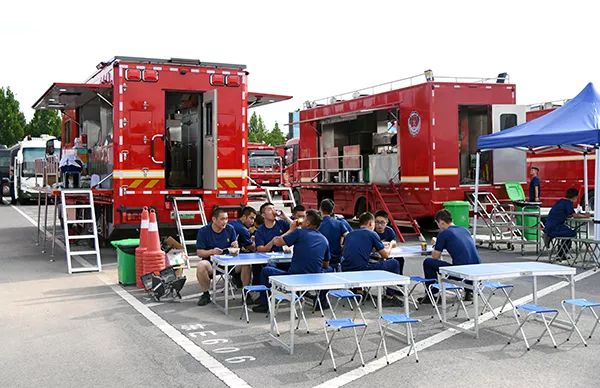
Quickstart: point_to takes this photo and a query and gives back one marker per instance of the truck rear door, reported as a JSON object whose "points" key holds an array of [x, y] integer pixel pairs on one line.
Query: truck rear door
{"points": [[508, 164], [209, 140]]}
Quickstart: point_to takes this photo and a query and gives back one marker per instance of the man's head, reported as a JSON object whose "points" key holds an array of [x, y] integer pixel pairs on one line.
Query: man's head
{"points": [[259, 220], [327, 206], [534, 171], [572, 194], [367, 220], [443, 219], [312, 220], [248, 216], [381, 221], [298, 212], [267, 210], [219, 219]]}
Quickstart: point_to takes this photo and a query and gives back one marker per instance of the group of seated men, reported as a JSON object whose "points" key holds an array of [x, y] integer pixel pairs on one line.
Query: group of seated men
{"points": [[322, 242]]}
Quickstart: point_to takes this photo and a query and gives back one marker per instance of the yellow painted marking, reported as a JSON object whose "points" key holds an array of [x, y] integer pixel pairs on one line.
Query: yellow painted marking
{"points": [[230, 183], [219, 186], [151, 184], [135, 183]]}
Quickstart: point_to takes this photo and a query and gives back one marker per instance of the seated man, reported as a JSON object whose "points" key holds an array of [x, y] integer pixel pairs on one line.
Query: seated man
{"points": [[310, 251], [298, 212], [382, 229], [245, 242], [263, 237], [334, 230], [212, 240], [459, 244], [555, 223]]}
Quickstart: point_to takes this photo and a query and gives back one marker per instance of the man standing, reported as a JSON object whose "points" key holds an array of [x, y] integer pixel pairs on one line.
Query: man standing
{"points": [[555, 225], [459, 244], [212, 239], [334, 230], [310, 251], [534, 185], [382, 229]]}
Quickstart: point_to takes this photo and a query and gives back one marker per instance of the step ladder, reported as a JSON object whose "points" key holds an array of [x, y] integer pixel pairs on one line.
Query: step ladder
{"points": [[501, 225], [85, 200], [182, 227], [270, 190], [391, 202]]}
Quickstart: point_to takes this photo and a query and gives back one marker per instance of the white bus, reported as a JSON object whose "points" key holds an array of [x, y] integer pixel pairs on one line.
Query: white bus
{"points": [[30, 149]]}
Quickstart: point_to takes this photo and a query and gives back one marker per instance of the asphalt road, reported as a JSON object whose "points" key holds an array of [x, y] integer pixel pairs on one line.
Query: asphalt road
{"points": [[84, 330]]}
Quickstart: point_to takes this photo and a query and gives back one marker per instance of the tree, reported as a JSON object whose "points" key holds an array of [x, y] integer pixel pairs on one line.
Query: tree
{"points": [[276, 137], [12, 120], [257, 132], [44, 122]]}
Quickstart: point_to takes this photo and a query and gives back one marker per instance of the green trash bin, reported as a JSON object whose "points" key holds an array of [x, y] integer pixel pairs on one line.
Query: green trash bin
{"points": [[126, 259], [515, 192], [531, 223], [459, 211]]}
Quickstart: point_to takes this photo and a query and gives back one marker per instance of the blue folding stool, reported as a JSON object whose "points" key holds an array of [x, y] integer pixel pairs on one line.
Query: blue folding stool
{"points": [[248, 289], [341, 295], [495, 286], [337, 324], [583, 304], [397, 319], [450, 287], [533, 310], [298, 300], [416, 280]]}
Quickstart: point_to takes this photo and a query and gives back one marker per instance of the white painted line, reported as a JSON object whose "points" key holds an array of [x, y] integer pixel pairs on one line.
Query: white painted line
{"points": [[374, 366], [209, 362]]}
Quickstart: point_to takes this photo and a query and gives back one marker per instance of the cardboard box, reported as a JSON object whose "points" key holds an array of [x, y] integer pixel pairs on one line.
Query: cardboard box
{"points": [[171, 243]]}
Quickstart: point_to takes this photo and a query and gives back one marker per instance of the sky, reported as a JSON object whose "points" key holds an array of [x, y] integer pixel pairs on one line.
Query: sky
{"points": [[308, 49]]}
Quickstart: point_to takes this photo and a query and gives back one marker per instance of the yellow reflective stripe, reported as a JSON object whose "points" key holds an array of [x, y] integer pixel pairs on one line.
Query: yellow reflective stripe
{"points": [[219, 186], [135, 183], [230, 183], [151, 184]]}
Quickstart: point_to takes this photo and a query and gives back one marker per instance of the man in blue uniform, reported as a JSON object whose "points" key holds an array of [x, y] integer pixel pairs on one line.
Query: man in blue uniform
{"points": [[298, 212], [334, 230], [382, 229], [310, 251], [555, 225], [212, 239], [534, 185], [459, 244], [263, 237], [242, 275]]}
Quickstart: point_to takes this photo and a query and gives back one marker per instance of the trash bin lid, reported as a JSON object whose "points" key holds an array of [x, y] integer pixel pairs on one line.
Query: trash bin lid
{"points": [[456, 203], [128, 242], [514, 190]]}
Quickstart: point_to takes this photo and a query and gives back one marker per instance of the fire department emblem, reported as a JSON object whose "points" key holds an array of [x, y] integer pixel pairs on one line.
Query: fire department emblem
{"points": [[414, 123]]}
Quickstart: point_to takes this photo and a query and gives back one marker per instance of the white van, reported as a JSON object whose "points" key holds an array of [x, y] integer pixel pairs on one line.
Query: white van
{"points": [[30, 149]]}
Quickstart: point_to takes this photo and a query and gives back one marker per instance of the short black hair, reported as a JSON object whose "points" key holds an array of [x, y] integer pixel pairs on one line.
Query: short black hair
{"points": [[443, 215], [218, 211], [247, 210], [314, 218], [259, 220], [365, 218], [327, 206], [572, 193], [298, 208], [264, 205], [382, 213], [535, 168]]}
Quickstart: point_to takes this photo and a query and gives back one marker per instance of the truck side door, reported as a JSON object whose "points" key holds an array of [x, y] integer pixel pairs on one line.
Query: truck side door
{"points": [[209, 140], [508, 164]]}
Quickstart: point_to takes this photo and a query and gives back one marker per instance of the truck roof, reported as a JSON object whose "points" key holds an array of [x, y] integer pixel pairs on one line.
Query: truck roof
{"points": [[170, 61]]}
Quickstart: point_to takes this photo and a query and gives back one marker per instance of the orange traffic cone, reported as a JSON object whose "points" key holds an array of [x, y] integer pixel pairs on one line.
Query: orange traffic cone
{"points": [[153, 257], [139, 251]]}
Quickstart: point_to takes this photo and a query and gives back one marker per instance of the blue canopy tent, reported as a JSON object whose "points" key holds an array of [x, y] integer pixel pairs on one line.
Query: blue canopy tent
{"points": [[575, 127]]}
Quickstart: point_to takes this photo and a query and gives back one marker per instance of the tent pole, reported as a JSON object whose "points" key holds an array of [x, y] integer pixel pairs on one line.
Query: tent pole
{"points": [[476, 196], [597, 196], [586, 201]]}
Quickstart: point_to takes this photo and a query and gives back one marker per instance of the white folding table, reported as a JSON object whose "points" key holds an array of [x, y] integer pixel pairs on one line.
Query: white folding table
{"points": [[410, 251], [477, 273], [295, 286]]}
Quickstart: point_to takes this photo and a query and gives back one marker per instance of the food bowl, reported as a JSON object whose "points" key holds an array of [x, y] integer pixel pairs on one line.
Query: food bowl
{"points": [[287, 249], [234, 251]]}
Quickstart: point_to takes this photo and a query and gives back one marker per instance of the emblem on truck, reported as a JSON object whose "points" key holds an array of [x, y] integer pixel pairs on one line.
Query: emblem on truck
{"points": [[414, 123]]}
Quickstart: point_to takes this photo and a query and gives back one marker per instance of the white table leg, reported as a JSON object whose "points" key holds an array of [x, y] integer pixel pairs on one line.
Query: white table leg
{"points": [[292, 321], [226, 277], [476, 306], [572, 279], [443, 291], [406, 309], [379, 304], [535, 290], [214, 283], [272, 310]]}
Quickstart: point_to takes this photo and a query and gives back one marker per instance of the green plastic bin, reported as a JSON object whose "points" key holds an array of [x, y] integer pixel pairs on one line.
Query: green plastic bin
{"points": [[459, 211], [515, 192], [126, 259], [531, 228]]}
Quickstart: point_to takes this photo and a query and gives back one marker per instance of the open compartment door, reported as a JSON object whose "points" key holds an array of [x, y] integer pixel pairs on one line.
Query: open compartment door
{"points": [[256, 99], [508, 164], [65, 96], [209, 140]]}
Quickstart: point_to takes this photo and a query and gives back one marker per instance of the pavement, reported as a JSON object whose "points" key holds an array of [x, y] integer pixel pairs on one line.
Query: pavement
{"points": [[86, 329]]}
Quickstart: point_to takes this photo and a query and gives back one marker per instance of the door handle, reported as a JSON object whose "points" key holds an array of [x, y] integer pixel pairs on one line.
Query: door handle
{"points": [[152, 149]]}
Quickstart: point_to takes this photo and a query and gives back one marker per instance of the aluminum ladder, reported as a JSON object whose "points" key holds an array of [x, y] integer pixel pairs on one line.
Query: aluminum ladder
{"points": [[85, 200], [182, 227], [285, 202], [501, 225]]}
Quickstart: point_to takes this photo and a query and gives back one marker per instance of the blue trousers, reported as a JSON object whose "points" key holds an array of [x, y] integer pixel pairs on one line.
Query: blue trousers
{"points": [[390, 265], [431, 269], [561, 231]]}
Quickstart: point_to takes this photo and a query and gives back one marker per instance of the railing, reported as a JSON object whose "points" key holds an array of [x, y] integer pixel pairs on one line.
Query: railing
{"points": [[400, 83], [277, 164], [323, 168]]}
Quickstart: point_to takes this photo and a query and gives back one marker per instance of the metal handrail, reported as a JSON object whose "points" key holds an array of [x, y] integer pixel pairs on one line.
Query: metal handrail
{"points": [[320, 170]]}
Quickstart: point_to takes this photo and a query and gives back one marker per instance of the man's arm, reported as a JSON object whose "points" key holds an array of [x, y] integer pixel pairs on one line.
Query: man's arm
{"points": [[537, 192], [208, 252], [436, 254]]}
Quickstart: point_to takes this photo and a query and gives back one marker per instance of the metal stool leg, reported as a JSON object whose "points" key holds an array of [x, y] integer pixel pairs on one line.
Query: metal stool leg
{"points": [[573, 323], [548, 328], [521, 329], [329, 348]]}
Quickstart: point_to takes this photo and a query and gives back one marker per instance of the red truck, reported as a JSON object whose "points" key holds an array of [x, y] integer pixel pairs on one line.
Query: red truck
{"points": [[265, 164]]}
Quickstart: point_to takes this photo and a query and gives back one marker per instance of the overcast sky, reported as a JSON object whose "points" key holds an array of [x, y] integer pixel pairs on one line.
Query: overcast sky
{"points": [[308, 49]]}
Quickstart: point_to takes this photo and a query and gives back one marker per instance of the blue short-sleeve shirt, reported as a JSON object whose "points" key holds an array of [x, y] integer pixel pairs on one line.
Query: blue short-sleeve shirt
{"points": [[459, 244], [207, 238], [243, 233], [333, 229], [559, 213], [387, 235], [358, 247], [264, 235], [310, 250], [535, 182]]}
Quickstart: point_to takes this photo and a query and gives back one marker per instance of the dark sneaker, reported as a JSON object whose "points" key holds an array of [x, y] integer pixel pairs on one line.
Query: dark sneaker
{"points": [[546, 240], [251, 300], [204, 299], [468, 296], [260, 308], [424, 300], [392, 302]]}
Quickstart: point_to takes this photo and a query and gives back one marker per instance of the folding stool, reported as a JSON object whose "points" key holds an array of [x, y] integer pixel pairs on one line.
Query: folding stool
{"points": [[533, 310], [495, 286], [286, 298], [396, 319], [450, 287], [583, 304], [418, 280], [258, 288], [337, 324]]}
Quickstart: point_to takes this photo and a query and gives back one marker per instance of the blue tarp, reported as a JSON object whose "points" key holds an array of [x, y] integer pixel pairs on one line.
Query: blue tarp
{"points": [[576, 122]]}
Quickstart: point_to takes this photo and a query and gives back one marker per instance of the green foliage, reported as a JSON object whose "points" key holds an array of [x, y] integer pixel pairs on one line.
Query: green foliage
{"points": [[257, 132], [276, 137], [12, 120], [44, 122]]}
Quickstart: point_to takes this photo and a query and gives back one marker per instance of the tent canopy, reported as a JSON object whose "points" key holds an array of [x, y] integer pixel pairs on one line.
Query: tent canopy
{"points": [[575, 123]]}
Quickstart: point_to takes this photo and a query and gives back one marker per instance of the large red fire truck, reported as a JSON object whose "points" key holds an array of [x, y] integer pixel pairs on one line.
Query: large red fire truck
{"points": [[154, 129], [265, 164], [406, 149]]}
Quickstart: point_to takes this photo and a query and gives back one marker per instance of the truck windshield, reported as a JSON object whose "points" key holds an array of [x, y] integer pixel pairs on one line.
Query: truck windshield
{"points": [[29, 157], [4, 160], [260, 159]]}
